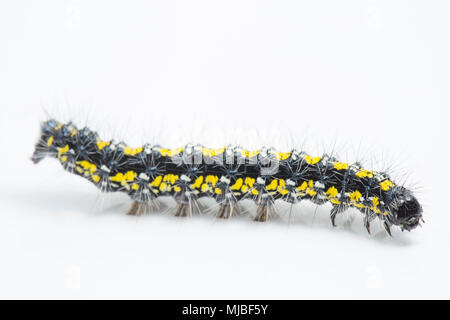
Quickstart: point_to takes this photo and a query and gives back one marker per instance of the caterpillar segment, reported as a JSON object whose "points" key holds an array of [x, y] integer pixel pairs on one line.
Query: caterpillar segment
{"points": [[229, 175]]}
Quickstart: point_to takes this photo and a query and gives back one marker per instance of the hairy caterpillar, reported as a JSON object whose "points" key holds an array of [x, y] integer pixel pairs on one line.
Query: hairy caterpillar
{"points": [[229, 175]]}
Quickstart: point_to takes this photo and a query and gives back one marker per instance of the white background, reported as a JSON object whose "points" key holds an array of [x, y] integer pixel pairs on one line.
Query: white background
{"points": [[370, 77]]}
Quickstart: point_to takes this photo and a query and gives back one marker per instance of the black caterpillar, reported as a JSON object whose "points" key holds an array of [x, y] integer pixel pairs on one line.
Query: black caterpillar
{"points": [[229, 175]]}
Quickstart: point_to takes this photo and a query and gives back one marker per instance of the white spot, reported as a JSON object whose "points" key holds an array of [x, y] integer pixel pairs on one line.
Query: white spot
{"points": [[290, 182], [225, 180], [105, 168], [319, 185], [143, 176], [188, 149], [260, 180], [185, 178]]}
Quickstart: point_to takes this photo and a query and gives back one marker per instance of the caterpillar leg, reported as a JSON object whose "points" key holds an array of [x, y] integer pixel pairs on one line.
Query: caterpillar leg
{"points": [[367, 223], [224, 212], [387, 226], [180, 210], [262, 213], [335, 210], [137, 209], [265, 209]]}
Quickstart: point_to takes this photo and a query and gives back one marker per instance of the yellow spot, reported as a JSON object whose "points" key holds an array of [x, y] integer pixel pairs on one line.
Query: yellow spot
{"points": [[303, 186], [255, 192], [364, 173], [272, 185], [211, 180], [244, 188], [218, 151], [332, 192], [237, 185], [177, 189], [198, 182], [162, 186], [206, 151], [79, 169], [101, 144], [164, 152], [63, 150], [340, 166], [281, 189], [175, 151], [170, 152], [59, 126], [131, 151], [244, 153], [355, 196], [74, 132], [212, 152], [205, 187], [283, 156], [88, 166], [249, 181], [117, 178], [335, 201], [95, 178], [312, 192], [171, 178], [375, 201], [156, 182], [130, 175], [386, 185], [120, 177], [252, 154], [63, 159], [135, 186], [311, 183], [50, 141], [311, 160], [218, 190]]}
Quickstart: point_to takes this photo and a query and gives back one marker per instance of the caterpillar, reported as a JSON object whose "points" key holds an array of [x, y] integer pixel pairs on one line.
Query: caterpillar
{"points": [[228, 175]]}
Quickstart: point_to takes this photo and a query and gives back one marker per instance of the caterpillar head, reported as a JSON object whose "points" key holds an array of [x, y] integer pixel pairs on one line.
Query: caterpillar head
{"points": [[406, 210]]}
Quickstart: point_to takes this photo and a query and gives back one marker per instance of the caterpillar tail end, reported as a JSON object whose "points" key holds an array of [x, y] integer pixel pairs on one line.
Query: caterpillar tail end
{"points": [[45, 145], [37, 157]]}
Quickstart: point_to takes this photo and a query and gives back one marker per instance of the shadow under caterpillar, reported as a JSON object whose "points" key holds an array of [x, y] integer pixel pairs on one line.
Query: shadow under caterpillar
{"points": [[229, 175]]}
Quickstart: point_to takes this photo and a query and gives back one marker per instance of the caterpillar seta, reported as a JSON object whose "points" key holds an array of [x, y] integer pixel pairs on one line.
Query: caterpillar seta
{"points": [[228, 175]]}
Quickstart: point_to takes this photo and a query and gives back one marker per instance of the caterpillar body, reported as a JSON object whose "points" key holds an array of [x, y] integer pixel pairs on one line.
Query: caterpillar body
{"points": [[229, 175]]}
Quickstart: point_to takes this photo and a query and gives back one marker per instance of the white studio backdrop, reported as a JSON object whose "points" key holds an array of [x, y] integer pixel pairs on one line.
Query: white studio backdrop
{"points": [[368, 77]]}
